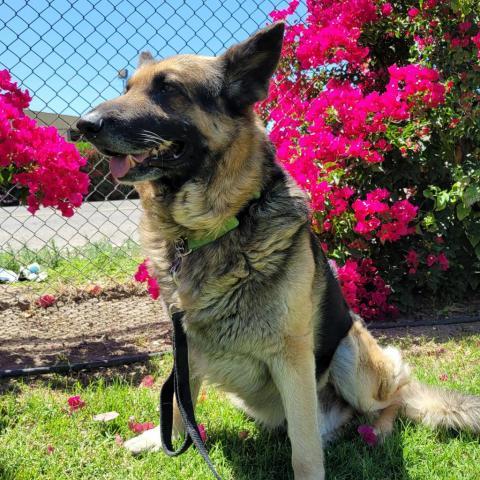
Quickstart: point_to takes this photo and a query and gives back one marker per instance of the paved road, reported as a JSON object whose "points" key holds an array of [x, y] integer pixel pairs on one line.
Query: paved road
{"points": [[115, 221]]}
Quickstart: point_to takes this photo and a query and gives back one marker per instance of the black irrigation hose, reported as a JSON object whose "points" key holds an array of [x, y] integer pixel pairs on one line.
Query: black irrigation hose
{"points": [[143, 357], [72, 367], [419, 323]]}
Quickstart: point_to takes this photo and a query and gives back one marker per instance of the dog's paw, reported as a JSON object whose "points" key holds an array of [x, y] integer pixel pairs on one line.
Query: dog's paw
{"points": [[147, 441]]}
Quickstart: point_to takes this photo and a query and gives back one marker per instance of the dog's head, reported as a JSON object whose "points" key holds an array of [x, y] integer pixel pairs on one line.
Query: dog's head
{"points": [[177, 112]]}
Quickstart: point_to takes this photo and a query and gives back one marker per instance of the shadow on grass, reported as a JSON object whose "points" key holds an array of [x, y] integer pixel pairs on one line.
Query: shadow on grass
{"points": [[418, 335], [346, 458], [7, 474], [130, 374]]}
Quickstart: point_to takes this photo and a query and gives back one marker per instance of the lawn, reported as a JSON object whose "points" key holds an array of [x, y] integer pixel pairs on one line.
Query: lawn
{"points": [[96, 262], [34, 417]]}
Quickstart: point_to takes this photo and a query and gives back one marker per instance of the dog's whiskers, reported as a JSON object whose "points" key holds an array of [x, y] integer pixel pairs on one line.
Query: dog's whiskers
{"points": [[153, 137]]}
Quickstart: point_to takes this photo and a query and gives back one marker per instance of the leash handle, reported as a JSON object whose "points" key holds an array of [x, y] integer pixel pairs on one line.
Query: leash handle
{"points": [[178, 384]]}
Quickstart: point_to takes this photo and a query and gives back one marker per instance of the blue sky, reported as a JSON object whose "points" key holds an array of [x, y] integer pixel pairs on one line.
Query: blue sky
{"points": [[67, 53]]}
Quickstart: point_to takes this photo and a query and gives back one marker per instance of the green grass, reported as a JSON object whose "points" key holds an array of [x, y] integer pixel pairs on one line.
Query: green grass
{"points": [[33, 416], [95, 262]]}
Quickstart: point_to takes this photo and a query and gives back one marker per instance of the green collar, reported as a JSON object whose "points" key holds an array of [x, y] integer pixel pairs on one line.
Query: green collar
{"points": [[229, 225]]}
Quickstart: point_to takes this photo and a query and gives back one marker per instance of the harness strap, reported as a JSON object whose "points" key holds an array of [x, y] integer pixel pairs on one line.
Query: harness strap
{"points": [[178, 384]]}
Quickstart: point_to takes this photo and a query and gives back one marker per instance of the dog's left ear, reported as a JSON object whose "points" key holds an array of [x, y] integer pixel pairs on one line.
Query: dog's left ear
{"points": [[249, 65]]}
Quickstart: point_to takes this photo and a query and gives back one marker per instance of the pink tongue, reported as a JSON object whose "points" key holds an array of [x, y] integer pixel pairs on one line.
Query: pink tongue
{"points": [[119, 166]]}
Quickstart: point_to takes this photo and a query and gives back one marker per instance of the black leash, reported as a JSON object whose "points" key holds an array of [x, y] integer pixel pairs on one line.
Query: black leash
{"points": [[178, 384]]}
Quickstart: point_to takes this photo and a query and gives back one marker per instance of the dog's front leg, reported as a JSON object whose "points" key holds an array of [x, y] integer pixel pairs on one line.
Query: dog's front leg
{"points": [[150, 440], [293, 372]]}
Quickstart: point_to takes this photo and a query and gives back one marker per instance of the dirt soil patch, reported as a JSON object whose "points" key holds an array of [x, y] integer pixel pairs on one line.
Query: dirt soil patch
{"points": [[85, 325], [81, 326]]}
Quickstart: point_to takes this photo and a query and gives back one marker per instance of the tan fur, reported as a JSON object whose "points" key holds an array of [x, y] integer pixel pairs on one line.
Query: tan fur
{"points": [[203, 208], [377, 381]]}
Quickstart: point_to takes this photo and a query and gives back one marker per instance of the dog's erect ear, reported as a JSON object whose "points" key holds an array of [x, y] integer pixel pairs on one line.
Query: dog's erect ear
{"points": [[145, 57], [249, 65]]}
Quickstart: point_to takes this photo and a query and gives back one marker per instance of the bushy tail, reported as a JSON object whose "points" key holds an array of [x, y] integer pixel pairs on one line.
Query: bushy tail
{"points": [[437, 407]]}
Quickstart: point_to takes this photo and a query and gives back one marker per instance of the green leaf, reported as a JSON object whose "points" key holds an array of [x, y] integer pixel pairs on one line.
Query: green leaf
{"points": [[463, 211], [471, 195], [441, 200], [473, 234], [474, 280], [429, 222], [428, 193]]}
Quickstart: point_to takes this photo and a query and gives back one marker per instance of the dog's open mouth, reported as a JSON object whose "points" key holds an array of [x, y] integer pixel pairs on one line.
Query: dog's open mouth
{"points": [[139, 166]]}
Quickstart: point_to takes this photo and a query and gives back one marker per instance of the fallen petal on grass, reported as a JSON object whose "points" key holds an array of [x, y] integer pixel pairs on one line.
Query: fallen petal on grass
{"points": [[75, 403], [147, 381], [105, 417], [203, 432], [138, 427], [443, 377], [368, 434], [119, 440], [50, 449]]}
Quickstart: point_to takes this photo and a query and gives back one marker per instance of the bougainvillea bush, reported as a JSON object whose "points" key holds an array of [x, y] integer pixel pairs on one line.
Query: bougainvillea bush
{"points": [[375, 112], [37, 159]]}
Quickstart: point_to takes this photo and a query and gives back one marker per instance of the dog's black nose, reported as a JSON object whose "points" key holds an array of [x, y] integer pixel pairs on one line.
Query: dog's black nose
{"points": [[91, 122]]}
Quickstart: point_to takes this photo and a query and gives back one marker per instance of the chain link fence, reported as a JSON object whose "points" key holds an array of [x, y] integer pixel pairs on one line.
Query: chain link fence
{"points": [[72, 56]]}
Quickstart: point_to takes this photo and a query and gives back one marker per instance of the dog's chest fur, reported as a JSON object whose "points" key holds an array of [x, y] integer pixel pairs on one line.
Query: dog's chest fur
{"points": [[244, 293]]}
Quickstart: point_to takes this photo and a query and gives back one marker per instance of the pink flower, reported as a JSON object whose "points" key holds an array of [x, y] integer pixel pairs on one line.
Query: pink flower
{"points": [[282, 14], [476, 41], [50, 449], [413, 12], [147, 381], [137, 427], [153, 288], [431, 260], [75, 403], [46, 301], [387, 9], [443, 262], [142, 275], [443, 377], [368, 434], [44, 165], [95, 290], [412, 261], [203, 432]]}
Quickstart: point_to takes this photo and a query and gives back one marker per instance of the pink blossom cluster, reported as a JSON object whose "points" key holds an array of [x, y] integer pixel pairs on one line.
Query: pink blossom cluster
{"points": [[142, 275], [476, 41], [341, 122], [365, 290], [333, 115], [376, 218], [413, 260], [41, 161]]}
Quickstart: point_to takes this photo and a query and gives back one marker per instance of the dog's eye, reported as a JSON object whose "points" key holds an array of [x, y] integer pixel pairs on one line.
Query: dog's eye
{"points": [[164, 87]]}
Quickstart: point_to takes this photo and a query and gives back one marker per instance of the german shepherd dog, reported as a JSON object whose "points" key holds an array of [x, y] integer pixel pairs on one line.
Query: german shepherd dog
{"points": [[265, 318]]}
